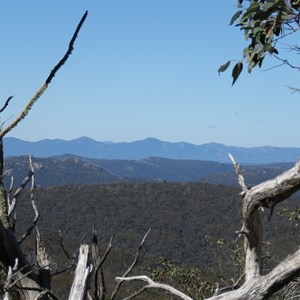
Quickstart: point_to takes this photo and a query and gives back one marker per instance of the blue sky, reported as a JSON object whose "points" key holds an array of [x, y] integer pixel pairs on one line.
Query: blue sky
{"points": [[141, 69]]}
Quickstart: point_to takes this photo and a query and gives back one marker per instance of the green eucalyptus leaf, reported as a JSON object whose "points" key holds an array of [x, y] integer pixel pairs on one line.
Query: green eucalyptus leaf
{"points": [[246, 52], [268, 47], [237, 71], [224, 67], [235, 17], [268, 5], [250, 66], [284, 16], [257, 30], [260, 62], [252, 9], [275, 51]]}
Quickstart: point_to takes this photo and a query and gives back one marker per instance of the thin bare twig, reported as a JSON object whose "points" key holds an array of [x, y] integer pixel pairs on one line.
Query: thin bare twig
{"points": [[235, 286], [6, 103], [135, 260], [99, 280], [71, 265], [63, 246]]}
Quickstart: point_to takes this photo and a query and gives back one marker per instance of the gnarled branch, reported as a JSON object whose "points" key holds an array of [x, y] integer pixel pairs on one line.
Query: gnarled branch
{"points": [[152, 285]]}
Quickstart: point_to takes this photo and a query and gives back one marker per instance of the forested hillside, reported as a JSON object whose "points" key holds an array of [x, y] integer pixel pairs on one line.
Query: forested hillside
{"points": [[193, 224], [180, 216], [65, 170]]}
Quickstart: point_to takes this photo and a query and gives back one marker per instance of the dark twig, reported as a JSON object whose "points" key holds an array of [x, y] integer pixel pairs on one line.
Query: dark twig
{"points": [[137, 293], [6, 103], [71, 265], [135, 260], [99, 280], [235, 286], [63, 247], [58, 272], [70, 49]]}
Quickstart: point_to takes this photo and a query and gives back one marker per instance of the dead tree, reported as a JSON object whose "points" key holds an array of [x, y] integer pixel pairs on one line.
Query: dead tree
{"points": [[32, 284], [255, 285]]}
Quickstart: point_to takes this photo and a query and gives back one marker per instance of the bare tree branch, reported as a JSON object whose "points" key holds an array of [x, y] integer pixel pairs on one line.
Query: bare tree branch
{"points": [[63, 247], [98, 259], [6, 104], [13, 203], [47, 82], [256, 286], [135, 260], [69, 52], [36, 212], [239, 174], [153, 285]]}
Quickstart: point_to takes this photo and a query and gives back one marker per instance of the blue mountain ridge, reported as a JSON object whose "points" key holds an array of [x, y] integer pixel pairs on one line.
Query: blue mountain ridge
{"points": [[149, 147]]}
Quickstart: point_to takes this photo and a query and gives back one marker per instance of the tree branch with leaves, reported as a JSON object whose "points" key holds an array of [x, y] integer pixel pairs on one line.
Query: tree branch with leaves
{"points": [[264, 23]]}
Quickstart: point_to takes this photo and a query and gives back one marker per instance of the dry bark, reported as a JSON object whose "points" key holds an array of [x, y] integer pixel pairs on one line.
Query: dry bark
{"points": [[82, 274], [256, 285]]}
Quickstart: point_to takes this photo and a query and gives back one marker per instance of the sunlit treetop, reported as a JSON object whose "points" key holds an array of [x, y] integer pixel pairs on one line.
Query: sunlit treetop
{"points": [[264, 24]]}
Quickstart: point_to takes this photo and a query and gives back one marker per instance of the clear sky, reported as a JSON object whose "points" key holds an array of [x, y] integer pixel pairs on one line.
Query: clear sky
{"points": [[143, 68]]}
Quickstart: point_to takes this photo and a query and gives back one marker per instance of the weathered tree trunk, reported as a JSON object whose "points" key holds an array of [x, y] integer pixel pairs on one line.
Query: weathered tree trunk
{"points": [[82, 275], [266, 194], [256, 285]]}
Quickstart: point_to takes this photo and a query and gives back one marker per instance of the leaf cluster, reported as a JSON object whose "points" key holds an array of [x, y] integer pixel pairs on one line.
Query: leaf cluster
{"points": [[264, 23]]}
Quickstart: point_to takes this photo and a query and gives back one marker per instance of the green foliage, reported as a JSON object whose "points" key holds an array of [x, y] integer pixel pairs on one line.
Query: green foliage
{"points": [[292, 215], [237, 69], [264, 23], [128, 210], [191, 281], [192, 225]]}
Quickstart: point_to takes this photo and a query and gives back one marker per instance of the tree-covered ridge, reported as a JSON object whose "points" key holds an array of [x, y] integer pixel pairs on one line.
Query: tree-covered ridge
{"points": [[180, 215], [57, 171], [192, 224]]}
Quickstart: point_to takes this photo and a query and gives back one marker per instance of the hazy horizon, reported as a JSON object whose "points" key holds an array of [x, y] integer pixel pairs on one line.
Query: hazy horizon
{"points": [[140, 69], [147, 138]]}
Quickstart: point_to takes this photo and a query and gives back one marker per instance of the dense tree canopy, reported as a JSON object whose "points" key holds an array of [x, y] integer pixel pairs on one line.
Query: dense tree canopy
{"points": [[265, 23]]}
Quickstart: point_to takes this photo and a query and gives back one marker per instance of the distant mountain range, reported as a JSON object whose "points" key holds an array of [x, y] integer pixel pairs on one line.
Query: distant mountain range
{"points": [[150, 147]]}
